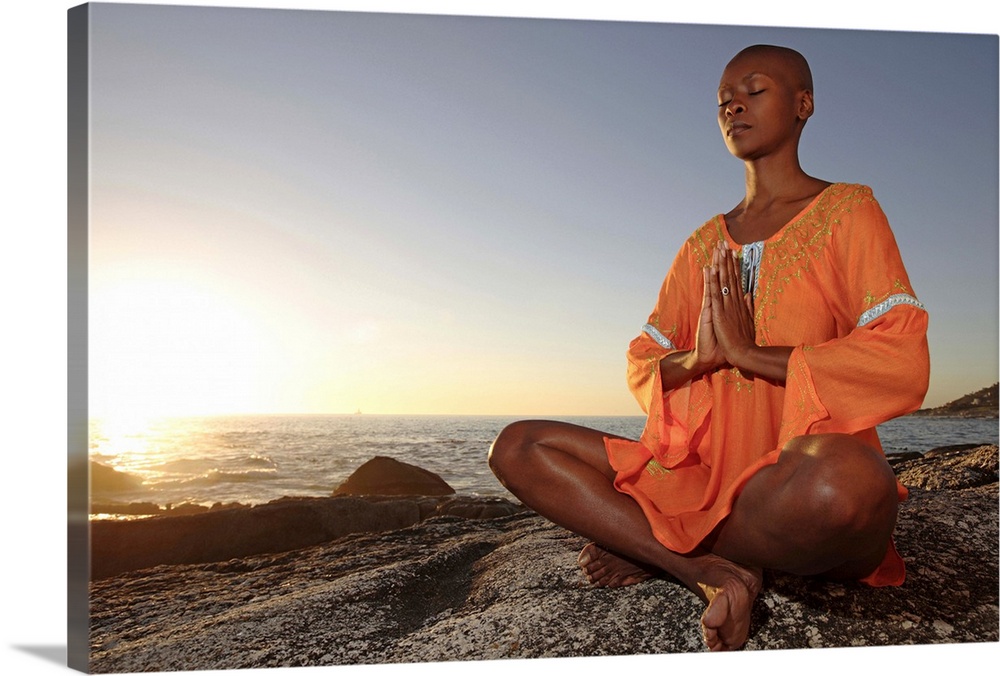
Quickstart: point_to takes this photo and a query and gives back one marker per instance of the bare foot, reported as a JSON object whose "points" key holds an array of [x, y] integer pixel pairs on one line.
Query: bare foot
{"points": [[725, 624], [606, 569]]}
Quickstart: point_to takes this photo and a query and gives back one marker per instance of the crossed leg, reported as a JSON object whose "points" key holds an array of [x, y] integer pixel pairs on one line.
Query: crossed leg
{"points": [[827, 506]]}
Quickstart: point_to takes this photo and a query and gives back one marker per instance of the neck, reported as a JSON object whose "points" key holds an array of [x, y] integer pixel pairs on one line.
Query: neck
{"points": [[771, 178]]}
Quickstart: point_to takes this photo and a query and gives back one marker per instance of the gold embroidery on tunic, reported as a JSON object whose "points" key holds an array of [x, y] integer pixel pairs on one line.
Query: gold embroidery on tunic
{"points": [[872, 300], [800, 242], [656, 470], [736, 378]]}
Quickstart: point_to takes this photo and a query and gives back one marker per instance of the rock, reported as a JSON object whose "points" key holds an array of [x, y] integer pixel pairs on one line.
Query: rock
{"points": [[896, 458], [219, 535], [226, 505], [129, 508], [186, 508], [149, 508], [198, 534], [450, 588], [104, 479], [387, 476], [952, 469], [940, 450], [477, 508]]}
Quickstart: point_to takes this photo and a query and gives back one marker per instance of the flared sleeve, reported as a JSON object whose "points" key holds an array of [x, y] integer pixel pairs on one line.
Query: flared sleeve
{"points": [[671, 327], [878, 367]]}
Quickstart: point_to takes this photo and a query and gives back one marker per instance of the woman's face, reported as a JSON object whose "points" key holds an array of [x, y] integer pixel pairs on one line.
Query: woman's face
{"points": [[760, 110]]}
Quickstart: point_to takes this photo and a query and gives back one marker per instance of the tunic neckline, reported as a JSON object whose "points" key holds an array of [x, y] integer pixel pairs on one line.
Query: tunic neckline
{"points": [[733, 244]]}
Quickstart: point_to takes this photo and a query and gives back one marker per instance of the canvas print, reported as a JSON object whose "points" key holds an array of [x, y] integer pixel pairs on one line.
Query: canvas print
{"points": [[402, 338]]}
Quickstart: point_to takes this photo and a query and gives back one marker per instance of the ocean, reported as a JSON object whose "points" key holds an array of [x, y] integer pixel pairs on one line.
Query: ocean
{"points": [[255, 459]]}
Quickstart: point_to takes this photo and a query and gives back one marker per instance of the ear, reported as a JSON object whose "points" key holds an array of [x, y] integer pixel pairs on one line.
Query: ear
{"points": [[805, 104]]}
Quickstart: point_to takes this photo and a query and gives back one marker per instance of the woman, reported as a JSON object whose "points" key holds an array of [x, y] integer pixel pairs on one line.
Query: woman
{"points": [[784, 332]]}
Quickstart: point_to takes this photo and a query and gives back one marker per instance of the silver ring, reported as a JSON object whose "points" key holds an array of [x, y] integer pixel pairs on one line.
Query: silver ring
{"points": [[725, 291]]}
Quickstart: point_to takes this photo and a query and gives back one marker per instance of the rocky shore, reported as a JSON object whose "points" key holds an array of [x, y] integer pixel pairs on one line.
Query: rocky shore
{"points": [[389, 579]]}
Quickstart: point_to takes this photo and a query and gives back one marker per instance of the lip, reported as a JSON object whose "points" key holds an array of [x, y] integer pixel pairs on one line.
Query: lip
{"points": [[737, 128]]}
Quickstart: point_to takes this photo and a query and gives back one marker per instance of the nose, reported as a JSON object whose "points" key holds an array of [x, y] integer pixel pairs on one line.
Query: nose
{"points": [[734, 107]]}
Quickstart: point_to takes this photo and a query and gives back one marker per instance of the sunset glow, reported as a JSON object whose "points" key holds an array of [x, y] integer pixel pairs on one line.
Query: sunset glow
{"points": [[411, 216], [168, 347]]}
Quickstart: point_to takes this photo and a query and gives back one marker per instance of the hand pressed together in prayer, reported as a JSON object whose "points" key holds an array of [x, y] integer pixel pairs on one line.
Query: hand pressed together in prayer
{"points": [[708, 351], [726, 332], [731, 308]]}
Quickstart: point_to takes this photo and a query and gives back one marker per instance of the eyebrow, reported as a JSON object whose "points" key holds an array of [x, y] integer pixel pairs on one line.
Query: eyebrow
{"points": [[747, 77]]}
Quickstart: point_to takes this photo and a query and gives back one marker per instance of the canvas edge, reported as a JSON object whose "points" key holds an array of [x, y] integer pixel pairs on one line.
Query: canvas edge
{"points": [[77, 185]]}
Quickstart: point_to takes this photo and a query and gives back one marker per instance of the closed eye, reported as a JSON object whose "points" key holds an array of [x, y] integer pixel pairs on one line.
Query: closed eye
{"points": [[727, 101]]}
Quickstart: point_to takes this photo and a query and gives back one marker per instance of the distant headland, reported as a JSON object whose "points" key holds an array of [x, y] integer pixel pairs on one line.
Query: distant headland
{"points": [[981, 404]]}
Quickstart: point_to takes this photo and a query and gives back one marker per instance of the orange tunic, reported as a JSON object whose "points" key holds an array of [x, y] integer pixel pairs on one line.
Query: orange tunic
{"points": [[832, 285]]}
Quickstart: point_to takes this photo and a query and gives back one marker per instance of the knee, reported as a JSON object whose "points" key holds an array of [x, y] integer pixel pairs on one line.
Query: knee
{"points": [[844, 486], [508, 449]]}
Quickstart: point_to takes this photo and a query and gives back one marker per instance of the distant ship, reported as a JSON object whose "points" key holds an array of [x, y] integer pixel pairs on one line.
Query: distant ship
{"points": [[358, 412]]}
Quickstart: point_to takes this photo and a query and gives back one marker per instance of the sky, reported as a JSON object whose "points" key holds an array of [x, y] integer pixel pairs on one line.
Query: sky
{"points": [[323, 212], [34, 279]]}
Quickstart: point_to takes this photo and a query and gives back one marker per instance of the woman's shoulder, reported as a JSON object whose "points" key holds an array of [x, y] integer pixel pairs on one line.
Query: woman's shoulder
{"points": [[841, 204], [699, 246], [847, 195], [713, 228]]}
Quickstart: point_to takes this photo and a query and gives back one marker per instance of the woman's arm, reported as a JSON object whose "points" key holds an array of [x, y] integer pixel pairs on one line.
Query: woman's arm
{"points": [[880, 368], [678, 368]]}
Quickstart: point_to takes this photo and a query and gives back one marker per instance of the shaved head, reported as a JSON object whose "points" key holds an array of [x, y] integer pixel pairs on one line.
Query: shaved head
{"points": [[770, 84], [793, 64]]}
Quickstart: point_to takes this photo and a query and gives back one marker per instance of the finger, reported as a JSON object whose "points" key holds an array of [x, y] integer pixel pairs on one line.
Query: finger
{"points": [[720, 253], [734, 270], [706, 296], [724, 278], [718, 304], [737, 273]]}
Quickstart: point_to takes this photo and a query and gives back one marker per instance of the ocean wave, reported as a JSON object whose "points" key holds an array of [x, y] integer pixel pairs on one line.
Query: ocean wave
{"points": [[185, 466], [217, 476], [205, 465], [261, 461]]}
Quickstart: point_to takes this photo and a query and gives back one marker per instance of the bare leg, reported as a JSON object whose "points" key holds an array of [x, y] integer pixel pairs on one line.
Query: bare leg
{"points": [[827, 507], [562, 472]]}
